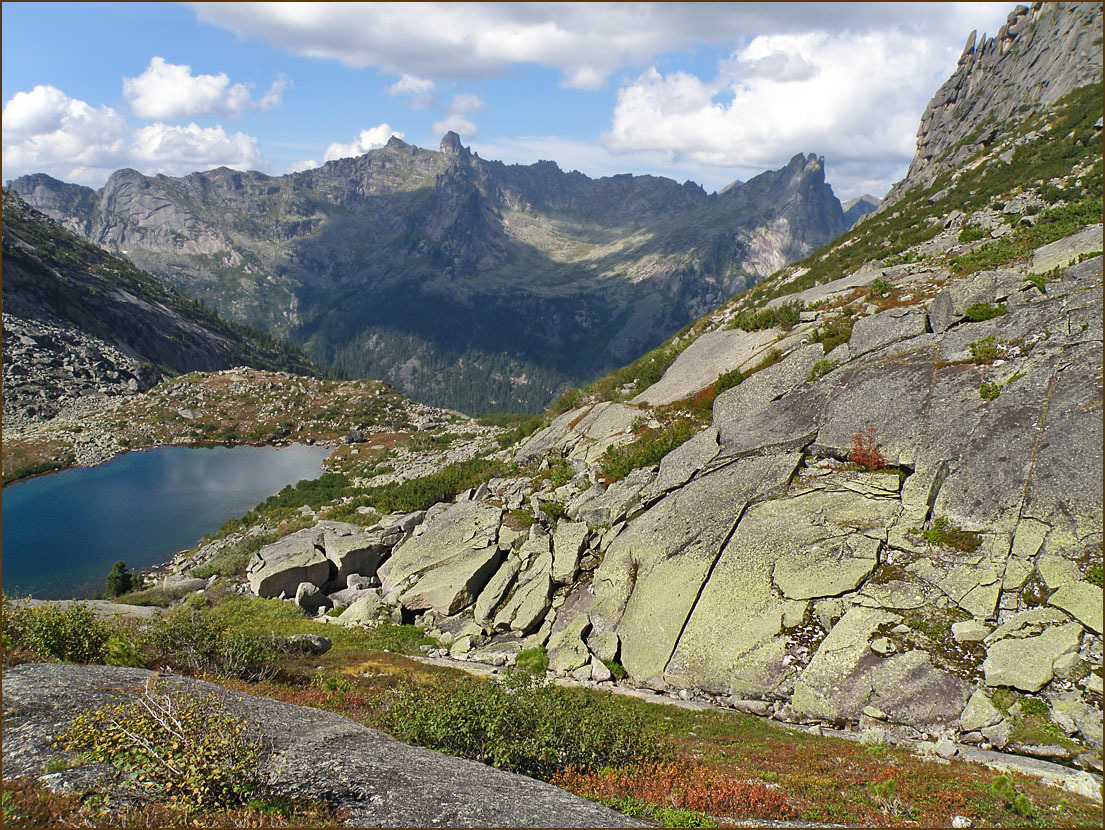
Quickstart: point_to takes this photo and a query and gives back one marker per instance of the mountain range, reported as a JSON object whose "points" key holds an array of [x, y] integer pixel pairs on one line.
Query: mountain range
{"points": [[464, 282]]}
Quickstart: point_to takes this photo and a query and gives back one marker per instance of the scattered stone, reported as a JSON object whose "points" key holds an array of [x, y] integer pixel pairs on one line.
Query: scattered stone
{"points": [[1082, 601], [310, 598], [882, 645], [309, 643], [1028, 664], [979, 713], [969, 631]]}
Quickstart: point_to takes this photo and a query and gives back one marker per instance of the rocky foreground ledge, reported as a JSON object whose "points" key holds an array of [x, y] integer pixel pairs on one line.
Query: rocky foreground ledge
{"points": [[310, 754]]}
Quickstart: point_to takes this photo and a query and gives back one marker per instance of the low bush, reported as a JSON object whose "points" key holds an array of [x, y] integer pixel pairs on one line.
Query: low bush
{"points": [[984, 311], [727, 380], [879, 289], [984, 350], [520, 723], [989, 391], [72, 635], [865, 450], [193, 637], [182, 748], [942, 532], [533, 660], [821, 368], [650, 448], [682, 785], [972, 233]]}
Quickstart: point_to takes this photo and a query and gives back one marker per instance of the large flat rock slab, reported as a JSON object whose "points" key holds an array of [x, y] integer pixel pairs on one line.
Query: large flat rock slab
{"points": [[447, 565], [308, 754], [653, 571], [1064, 251], [701, 362]]}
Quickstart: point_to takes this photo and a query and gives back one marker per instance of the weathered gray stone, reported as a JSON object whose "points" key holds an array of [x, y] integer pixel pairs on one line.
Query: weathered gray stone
{"points": [[362, 611], [836, 684], [567, 651], [496, 589], [606, 507], [1029, 537], [891, 326], [653, 572], [701, 362], [604, 644], [914, 692], [354, 550], [568, 541], [827, 570], [278, 568], [448, 564], [1082, 601], [1067, 250], [969, 631], [1056, 571], [307, 754], [1028, 664], [978, 713], [310, 598], [599, 672], [680, 465], [532, 595]]}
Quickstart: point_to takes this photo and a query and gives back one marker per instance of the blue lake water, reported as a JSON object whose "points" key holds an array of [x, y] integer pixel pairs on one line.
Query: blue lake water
{"points": [[63, 531]]}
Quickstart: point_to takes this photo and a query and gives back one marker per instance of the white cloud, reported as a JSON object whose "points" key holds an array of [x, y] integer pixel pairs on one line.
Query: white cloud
{"points": [[460, 124], [420, 90], [175, 150], [274, 95], [846, 96], [369, 139], [47, 131], [586, 42], [169, 91], [457, 115], [305, 164]]}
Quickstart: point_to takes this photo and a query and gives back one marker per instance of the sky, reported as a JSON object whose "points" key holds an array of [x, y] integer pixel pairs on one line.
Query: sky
{"points": [[710, 93]]}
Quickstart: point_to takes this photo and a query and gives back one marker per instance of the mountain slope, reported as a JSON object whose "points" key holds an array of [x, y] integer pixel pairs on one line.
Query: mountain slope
{"points": [[70, 304], [465, 282], [867, 492]]}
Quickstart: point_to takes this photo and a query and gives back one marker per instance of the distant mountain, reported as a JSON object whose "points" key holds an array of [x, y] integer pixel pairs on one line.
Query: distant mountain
{"points": [[856, 208], [81, 311], [466, 283]]}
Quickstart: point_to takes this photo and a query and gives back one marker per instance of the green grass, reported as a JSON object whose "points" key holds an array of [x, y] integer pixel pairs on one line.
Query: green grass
{"points": [[650, 447]]}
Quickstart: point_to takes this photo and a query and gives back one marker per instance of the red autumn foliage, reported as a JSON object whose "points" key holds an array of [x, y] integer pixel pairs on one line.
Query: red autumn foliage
{"points": [[865, 451], [684, 785]]}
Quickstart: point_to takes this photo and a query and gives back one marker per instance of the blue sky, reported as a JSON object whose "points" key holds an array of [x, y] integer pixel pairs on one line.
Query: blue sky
{"points": [[706, 92]]}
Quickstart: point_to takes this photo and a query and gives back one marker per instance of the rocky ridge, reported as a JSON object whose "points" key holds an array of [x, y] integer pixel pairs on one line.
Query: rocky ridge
{"points": [[1003, 78], [581, 274]]}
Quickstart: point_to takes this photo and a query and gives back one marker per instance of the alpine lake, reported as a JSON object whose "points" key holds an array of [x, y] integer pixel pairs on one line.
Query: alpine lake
{"points": [[63, 531]]}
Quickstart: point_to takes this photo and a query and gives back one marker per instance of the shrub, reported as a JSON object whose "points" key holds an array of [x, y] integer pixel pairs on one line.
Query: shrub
{"points": [[649, 448], [533, 660], [972, 233], [119, 581], [989, 391], [684, 785], [865, 451], [186, 748], [555, 510], [879, 289], [520, 723], [194, 638], [944, 533], [1034, 706], [985, 311], [1093, 575], [984, 350], [727, 380], [73, 635], [616, 669], [821, 368]]}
